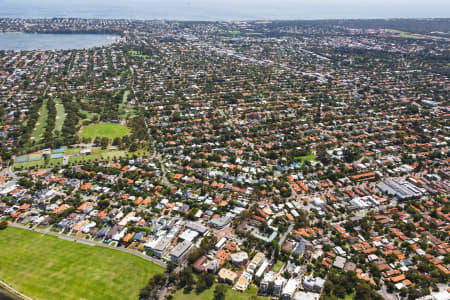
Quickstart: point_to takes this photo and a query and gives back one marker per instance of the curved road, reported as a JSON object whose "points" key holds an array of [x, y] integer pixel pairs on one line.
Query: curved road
{"points": [[7, 172]]}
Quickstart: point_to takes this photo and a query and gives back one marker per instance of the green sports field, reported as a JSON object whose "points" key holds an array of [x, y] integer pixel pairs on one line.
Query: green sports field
{"points": [[408, 35], [39, 164], [105, 155], [309, 157], [46, 267], [60, 115], [108, 130], [41, 122], [126, 111]]}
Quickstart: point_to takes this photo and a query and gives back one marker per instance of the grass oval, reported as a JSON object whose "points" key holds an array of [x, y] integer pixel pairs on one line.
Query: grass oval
{"points": [[107, 129]]}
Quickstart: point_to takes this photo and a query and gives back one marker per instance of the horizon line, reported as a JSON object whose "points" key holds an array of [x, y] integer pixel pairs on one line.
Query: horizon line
{"points": [[229, 20]]}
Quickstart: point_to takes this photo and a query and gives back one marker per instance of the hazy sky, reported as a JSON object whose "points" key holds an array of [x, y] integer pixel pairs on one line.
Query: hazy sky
{"points": [[227, 9]]}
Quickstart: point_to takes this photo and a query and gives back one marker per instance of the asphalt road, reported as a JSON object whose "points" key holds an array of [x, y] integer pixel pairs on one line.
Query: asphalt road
{"points": [[383, 292], [9, 173], [283, 237]]}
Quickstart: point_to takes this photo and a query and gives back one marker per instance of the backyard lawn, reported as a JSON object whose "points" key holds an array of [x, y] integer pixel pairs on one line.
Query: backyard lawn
{"points": [[46, 267], [277, 266], [108, 130]]}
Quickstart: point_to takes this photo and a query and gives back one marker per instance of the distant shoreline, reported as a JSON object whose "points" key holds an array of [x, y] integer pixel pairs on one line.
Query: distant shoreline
{"points": [[220, 19]]}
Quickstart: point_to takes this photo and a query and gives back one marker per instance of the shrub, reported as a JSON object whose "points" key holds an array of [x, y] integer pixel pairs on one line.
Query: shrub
{"points": [[3, 225]]}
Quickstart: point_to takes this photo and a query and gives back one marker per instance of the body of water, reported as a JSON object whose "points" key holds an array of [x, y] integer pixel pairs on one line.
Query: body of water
{"points": [[224, 10], [46, 41]]}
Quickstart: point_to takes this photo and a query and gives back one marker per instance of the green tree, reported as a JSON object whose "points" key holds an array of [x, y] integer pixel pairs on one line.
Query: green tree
{"points": [[3, 225], [220, 292], [186, 278], [365, 292], [205, 281], [339, 291]]}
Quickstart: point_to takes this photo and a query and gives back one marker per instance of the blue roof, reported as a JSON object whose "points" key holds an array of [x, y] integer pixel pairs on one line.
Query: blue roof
{"points": [[300, 247], [139, 236], [59, 150], [35, 158], [53, 156], [22, 159]]}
